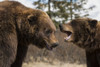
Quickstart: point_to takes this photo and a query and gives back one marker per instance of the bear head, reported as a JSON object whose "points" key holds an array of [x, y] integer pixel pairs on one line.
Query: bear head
{"points": [[38, 29], [81, 31]]}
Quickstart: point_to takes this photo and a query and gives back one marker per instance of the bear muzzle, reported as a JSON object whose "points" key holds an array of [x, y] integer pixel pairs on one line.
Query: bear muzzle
{"points": [[52, 46]]}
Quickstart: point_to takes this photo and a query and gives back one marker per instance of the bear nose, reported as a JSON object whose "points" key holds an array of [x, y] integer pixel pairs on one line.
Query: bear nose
{"points": [[55, 45]]}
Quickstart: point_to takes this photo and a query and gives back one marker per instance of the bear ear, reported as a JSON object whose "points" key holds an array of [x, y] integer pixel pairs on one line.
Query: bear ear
{"points": [[32, 19], [93, 23]]}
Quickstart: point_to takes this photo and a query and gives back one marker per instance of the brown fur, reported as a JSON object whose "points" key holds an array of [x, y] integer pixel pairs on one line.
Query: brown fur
{"points": [[85, 34], [19, 27]]}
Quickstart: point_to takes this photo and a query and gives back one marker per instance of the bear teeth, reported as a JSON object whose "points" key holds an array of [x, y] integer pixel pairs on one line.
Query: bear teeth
{"points": [[67, 38]]}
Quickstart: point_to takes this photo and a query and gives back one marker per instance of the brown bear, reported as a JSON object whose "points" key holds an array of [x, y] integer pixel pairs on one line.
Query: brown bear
{"points": [[85, 33], [19, 27]]}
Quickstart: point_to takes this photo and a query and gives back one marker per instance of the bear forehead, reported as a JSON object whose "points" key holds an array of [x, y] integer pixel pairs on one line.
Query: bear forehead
{"points": [[52, 25], [49, 24], [44, 18], [82, 20]]}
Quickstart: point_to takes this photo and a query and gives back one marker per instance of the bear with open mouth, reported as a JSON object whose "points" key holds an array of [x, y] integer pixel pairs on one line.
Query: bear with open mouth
{"points": [[85, 33]]}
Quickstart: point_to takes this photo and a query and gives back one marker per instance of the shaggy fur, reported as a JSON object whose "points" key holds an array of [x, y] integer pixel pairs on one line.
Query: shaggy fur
{"points": [[19, 27], [85, 33]]}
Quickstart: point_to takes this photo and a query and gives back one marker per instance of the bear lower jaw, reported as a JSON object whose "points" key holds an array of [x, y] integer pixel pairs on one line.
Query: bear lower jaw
{"points": [[52, 46], [48, 47]]}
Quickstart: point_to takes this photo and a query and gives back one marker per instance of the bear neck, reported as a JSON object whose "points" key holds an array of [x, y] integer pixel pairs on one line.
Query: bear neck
{"points": [[97, 37]]}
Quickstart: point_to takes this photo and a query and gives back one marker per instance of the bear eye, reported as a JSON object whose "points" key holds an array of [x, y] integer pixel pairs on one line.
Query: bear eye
{"points": [[48, 31]]}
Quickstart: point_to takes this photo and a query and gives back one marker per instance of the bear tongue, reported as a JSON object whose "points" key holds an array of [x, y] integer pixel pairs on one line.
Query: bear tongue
{"points": [[67, 38]]}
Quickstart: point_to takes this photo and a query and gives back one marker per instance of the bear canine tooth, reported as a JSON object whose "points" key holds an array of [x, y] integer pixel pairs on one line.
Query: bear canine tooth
{"points": [[67, 38]]}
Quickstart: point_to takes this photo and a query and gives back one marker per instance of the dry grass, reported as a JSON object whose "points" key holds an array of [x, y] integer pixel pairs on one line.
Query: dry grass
{"points": [[42, 64]]}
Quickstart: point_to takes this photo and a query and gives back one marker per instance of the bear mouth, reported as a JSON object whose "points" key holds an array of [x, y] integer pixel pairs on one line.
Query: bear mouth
{"points": [[69, 34], [50, 47]]}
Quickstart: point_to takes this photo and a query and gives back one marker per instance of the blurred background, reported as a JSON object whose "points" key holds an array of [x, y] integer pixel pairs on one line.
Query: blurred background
{"points": [[60, 11]]}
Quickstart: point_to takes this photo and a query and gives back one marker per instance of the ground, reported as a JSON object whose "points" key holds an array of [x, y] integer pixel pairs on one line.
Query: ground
{"points": [[42, 64]]}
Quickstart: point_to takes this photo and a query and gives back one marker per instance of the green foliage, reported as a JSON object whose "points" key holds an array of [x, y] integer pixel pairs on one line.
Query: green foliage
{"points": [[60, 11]]}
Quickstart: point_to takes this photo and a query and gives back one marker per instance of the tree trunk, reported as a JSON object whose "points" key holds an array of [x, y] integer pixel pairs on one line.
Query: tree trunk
{"points": [[71, 9], [49, 7]]}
